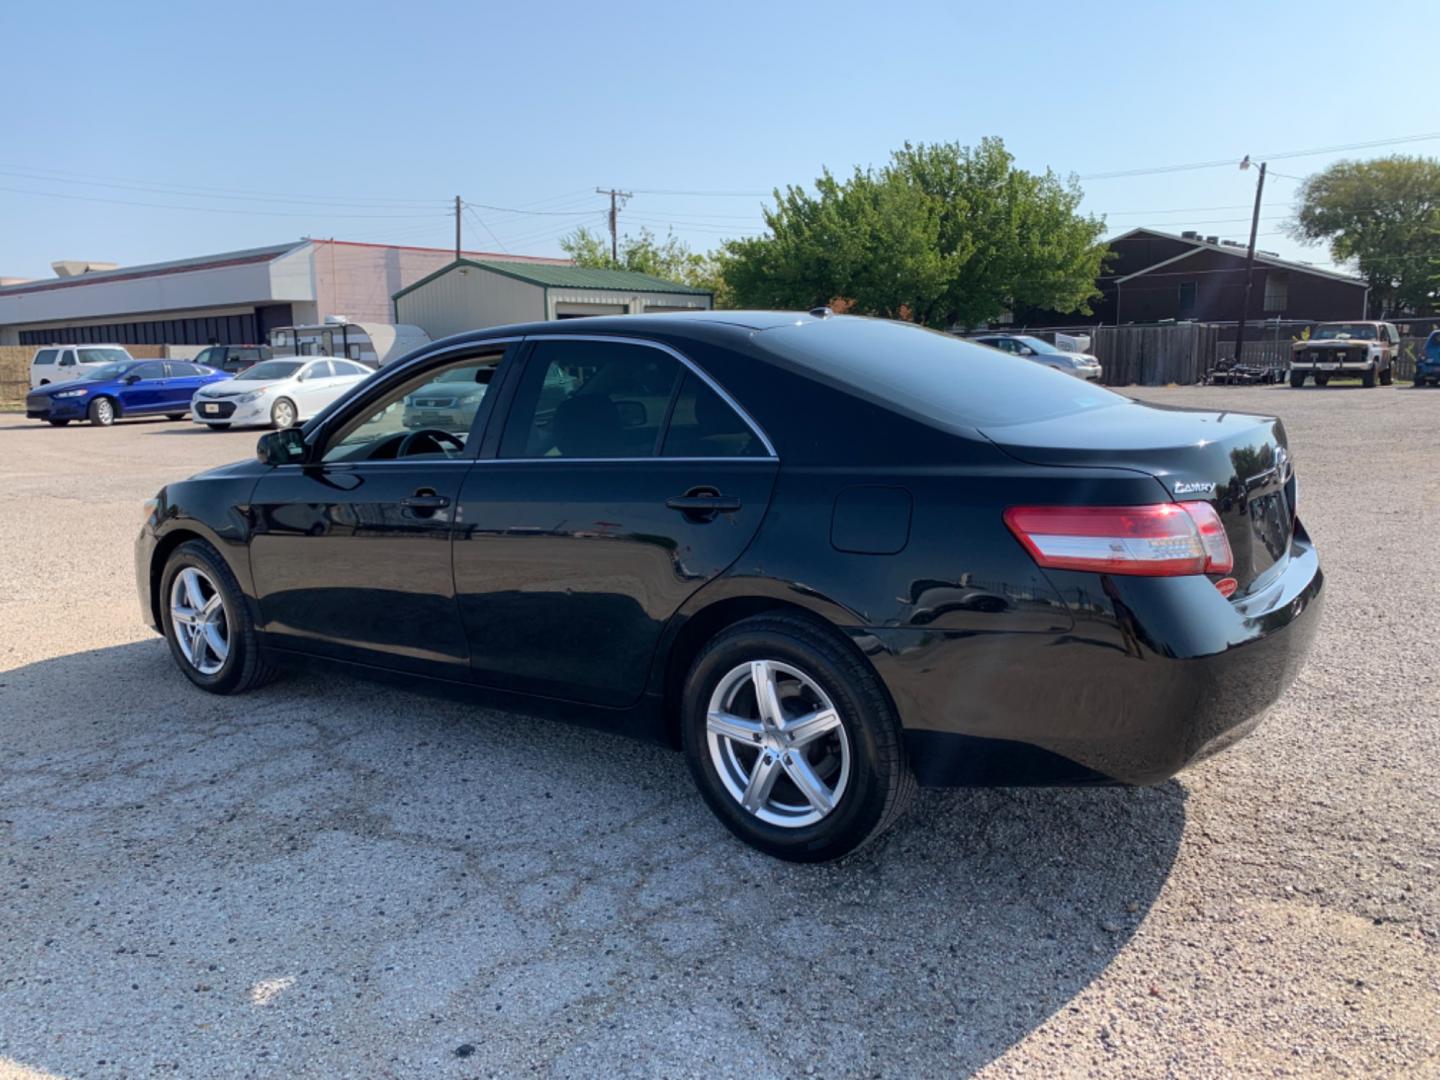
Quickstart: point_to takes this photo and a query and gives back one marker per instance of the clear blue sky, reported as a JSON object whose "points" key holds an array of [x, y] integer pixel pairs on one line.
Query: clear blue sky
{"points": [[362, 120]]}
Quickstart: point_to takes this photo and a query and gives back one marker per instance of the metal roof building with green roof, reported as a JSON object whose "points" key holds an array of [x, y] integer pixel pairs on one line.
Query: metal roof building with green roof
{"points": [[471, 294]]}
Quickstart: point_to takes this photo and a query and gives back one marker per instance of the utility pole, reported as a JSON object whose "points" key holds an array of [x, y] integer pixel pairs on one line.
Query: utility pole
{"points": [[457, 228], [616, 201], [1249, 260]]}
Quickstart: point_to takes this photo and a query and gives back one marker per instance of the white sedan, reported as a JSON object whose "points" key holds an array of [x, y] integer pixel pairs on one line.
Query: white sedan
{"points": [[277, 393]]}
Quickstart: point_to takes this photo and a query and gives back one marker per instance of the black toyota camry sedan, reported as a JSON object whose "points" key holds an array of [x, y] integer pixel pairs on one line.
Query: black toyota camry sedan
{"points": [[828, 557]]}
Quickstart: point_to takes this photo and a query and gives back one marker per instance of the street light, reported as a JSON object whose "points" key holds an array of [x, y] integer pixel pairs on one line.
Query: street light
{"points": [[1249, 259]]}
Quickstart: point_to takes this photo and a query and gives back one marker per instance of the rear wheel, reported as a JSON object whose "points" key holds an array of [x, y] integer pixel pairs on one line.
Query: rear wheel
{"points": [[282, 414], [1368, 379], [793, 741], [102, 412], [1297, 379], [207, 623]]}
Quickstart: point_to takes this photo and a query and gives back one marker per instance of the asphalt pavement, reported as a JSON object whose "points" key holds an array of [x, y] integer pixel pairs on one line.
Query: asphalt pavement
{"points": [[324, 878]]}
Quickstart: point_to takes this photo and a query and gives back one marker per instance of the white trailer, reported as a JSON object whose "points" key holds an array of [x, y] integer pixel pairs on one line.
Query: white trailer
{"points": [[369, 343]]}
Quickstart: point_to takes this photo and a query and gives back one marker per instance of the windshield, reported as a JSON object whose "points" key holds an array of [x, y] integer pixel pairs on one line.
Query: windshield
{"points": [[110, 371], [934, 377], [1038, 345], [103, 356], [272, 369], [1342, 331]]}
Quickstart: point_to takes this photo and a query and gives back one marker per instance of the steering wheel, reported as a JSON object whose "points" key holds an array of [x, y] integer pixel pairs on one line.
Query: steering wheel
{"points": [[437, 439]]}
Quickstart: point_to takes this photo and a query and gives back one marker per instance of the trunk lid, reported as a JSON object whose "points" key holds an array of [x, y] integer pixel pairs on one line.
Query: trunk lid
{"points": [[1237, 462]]}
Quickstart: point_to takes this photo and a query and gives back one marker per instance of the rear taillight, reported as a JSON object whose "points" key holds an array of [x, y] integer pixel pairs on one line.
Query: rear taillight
{"points": [[1164, 540]]}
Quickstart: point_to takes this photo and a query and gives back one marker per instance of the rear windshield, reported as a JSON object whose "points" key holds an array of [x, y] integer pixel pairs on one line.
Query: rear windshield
{"points": [[932, 376], [103, 356]]}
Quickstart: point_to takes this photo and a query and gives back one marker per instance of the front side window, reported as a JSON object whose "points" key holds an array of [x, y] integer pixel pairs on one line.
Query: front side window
{"points": [[590, 399], [208, 356], [703, 424], [427, 416], [67, 358]]}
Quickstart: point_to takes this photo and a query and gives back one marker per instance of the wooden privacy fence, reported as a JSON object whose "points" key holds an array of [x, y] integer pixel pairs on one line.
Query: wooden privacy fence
{"points": [[1155, 355]]}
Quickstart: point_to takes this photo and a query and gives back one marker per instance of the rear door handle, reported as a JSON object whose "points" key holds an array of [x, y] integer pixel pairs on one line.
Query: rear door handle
{"points": [[425, 502]]}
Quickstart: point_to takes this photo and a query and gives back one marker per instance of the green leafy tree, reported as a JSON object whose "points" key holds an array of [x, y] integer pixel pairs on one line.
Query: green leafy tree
{"points": [[942, 235], [670, 258], [1383, 216]]}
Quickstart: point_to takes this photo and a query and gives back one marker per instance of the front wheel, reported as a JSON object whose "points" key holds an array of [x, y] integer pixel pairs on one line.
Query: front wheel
{"points": [[283, 414], [102, 412], [1368, 379], [174, 416], [1386, 378], [1297, 379], [218, 427], [58, 423], [1322, 380], [793, 741], [206, 622]]}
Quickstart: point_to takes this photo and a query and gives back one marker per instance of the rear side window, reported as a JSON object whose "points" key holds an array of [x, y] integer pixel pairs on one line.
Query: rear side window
{"points": [[46, 356], [153, 370], [590, 399], [704, 425], [933, 377]]}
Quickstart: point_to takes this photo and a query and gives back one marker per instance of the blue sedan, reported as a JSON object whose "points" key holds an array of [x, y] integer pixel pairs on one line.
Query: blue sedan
{"points": [[125, 388]]}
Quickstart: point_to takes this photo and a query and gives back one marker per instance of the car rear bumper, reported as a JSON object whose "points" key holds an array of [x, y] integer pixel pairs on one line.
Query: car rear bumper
{"points": [[1156, 674]]}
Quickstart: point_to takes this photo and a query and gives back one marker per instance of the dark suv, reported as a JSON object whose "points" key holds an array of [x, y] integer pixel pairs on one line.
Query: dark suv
{"points": [[233, 358]]}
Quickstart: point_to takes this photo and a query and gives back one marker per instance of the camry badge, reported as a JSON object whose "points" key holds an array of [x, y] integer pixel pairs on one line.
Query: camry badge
{"points": [[1194, 487]]}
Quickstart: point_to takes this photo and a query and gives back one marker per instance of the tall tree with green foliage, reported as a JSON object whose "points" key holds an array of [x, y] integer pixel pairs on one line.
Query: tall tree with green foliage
{"points": [[1384, 216], [942, 235], [670, 258]]}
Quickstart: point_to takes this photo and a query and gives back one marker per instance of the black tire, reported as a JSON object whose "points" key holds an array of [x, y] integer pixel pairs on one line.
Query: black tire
{"points": [[44, 382], [1368, 378], [246, 667], [217, 427], [174, 416], [284, 414], [1386, 377], [880, 783], [102, 412], [58, 423], [1322, 380], [1297, 379]]}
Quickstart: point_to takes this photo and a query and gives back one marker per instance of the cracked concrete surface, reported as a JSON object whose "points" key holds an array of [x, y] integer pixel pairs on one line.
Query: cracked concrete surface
{"points": [[325, 878]]}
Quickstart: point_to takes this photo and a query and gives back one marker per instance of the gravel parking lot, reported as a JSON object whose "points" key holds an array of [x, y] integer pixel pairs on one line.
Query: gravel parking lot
{"points": [[325, 878]]}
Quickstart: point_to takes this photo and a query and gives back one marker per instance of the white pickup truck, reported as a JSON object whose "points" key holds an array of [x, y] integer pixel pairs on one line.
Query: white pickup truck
{"points": [[61, 363], [1366, 349]]}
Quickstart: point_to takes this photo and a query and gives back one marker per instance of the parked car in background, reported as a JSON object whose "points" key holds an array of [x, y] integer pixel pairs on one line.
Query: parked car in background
{"points": [[1081, 365], [1366, 349], [62, 363], [278, 393], [233, 358], [1427, 362], [946, 567], [123, 389]]}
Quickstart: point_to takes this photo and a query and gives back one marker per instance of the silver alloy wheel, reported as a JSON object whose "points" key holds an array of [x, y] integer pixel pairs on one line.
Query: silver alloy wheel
{"points": [[778, 743], [104, 411], [283, 414], [197, 618]]}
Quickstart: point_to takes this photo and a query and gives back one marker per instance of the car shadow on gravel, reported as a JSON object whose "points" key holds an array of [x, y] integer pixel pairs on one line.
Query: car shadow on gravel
{"points": [[328, 863]]}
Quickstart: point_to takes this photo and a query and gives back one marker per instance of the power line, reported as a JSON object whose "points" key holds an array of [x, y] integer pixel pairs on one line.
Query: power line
{"points": [[1262, 157], [208, 209], [481, 222], [535, 213]]}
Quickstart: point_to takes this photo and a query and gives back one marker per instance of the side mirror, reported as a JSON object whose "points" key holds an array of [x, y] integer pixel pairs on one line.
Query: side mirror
{"points": [[281, 447], [1025, 350], [130, 380]]}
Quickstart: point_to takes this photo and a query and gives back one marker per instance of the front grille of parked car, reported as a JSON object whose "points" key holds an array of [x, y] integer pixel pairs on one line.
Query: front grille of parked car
{"points": [[434, 403], [220, 408]]}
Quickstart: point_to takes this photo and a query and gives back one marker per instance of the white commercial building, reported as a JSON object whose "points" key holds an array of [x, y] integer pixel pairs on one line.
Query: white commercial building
{"points": [[233, 298]]}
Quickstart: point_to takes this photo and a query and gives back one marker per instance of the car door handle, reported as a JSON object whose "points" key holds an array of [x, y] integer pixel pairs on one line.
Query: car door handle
{"points": [[690, 504], [425, 502]]}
